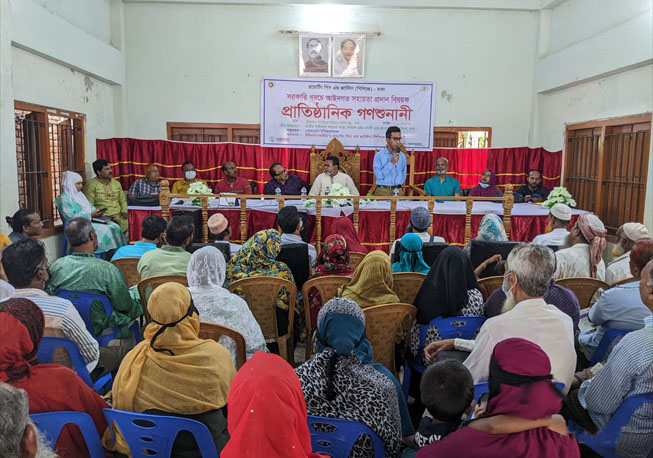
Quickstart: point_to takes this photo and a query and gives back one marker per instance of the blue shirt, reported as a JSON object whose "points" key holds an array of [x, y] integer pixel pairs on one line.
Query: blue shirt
{"points": [[136, 250], [387, 173], [448, 187], [620, 307]]}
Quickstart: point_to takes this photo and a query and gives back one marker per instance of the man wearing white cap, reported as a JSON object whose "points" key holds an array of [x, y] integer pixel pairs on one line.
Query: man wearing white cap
{"points": [[584, 256], [627, 235], [221, 231], [559, 217]]}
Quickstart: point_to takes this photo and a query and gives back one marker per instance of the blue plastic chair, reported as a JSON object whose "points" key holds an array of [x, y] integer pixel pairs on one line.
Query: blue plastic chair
{"points": [[83, 302], [148, 435], [605, 344], [604, 443], [50, 344], [341, 440], [52, 423], [460, 327]]}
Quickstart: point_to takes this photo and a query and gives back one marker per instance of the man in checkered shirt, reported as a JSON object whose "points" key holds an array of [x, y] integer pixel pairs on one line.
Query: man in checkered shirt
{"points": [[148, 185]]}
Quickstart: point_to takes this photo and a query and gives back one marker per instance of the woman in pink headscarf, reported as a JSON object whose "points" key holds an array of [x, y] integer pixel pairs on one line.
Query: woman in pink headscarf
{"points": [[487, 186], [521, 389]]}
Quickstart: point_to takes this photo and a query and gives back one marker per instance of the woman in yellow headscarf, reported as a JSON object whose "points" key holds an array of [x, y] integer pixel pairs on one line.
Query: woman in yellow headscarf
{"points": [[173, 371], [371, 283]]}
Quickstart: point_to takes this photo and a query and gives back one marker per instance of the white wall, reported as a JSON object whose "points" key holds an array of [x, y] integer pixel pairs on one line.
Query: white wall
{"points": [[204, 63]]}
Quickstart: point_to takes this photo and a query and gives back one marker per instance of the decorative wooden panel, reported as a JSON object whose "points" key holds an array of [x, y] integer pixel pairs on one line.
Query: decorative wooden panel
{"points": [[213, 133]]}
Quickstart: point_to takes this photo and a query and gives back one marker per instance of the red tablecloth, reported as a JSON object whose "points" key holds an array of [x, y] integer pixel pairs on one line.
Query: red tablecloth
{"points": [[374, 226]]}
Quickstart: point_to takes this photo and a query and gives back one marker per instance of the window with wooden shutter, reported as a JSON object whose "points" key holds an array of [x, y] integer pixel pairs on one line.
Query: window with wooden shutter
{"points": [[49, 141], [462, 137], [606, 165], [213, 133]]}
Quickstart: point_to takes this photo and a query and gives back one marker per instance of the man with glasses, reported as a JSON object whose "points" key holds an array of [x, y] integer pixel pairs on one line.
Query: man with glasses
{"points": [[288, 185], [390, 165], [442, 185]]}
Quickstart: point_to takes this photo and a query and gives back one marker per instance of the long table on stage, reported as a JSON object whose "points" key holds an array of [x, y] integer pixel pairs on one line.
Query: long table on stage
{"points": [[528, 220]]}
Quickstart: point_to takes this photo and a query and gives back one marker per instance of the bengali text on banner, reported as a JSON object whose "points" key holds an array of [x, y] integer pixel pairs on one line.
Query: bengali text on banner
{"points": [[301, 113]]}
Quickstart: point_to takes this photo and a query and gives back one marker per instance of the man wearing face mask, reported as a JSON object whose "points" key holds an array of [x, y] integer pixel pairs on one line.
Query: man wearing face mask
{"points": [[528, 317], [442, 184], [627, 235], [190, 176]]}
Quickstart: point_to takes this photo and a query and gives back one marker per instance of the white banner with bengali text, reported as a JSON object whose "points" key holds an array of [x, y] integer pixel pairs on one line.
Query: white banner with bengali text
{"points": [[300, 113]]}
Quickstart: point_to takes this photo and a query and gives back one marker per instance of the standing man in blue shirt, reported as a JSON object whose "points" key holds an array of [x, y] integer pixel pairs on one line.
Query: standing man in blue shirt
{"points": [[390, 165], [442, 184]]}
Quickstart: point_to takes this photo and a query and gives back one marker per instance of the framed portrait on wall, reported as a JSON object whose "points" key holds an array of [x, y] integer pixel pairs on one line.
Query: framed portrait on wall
{"points": [[315, 55], [348, 56]]}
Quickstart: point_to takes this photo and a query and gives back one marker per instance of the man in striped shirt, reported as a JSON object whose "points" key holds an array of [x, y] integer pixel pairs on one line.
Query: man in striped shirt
{"points": [[26, 267]]}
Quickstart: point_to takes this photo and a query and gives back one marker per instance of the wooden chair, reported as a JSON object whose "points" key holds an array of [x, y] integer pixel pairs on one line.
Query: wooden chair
{"points": [[350, 162], [382, 324], [129, 269], [624, 281], [215, 331], [260, 293], [488, 284], [327, 287], [406, 285], [583, 288], [145, 288], [355, 258]]}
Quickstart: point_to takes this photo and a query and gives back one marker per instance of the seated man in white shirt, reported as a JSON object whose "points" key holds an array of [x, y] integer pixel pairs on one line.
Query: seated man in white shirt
{"points": [[221, 231], [586, 245], [291, 225], [420, 221], [525, 315], [559, 217], [26, 267], [627, 235], [332, 175]]}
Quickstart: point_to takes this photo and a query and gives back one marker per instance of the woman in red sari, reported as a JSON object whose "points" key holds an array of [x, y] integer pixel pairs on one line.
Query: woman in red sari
{"points": [[334, 260], [345, 227], [49, 387]]}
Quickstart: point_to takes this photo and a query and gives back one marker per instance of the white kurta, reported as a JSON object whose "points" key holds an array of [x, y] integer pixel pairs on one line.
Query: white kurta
{"points": [[575, 262], [557, 237], [618, 269], [324, 181]]}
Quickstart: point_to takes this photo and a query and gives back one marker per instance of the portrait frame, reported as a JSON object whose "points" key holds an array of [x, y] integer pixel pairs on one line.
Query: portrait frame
{"points": [[348, 56], [314, 59]]}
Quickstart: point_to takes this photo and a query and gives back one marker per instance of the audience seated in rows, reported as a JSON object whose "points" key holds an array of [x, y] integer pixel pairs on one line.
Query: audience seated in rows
{"points": [[334, 260], [627, 235], [6, 289], [520, 382], [556, 225], [487, 187], [206, 273], [371, 283], [628, 372], [25, 223], [526, 315], [341, 381], [174, 372], [151, 233], [491, 229], [49, 387], [620, 307], [420, 222], [82, 271], [19, 437], [267, 411], [172, 258], [72, 203], [221, 231], [343, 226], [258, 258], [105, 192], [291, 226], [411, 258], [586, 243], [449, 289]]}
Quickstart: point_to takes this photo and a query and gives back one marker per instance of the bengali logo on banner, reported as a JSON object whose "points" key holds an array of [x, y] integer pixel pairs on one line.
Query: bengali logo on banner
{"points": [[300, 113]]}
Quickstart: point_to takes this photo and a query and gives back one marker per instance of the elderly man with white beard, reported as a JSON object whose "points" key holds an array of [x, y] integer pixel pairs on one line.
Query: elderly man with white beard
{"points": [[526, 315], [18, 435], [627, 235]]}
